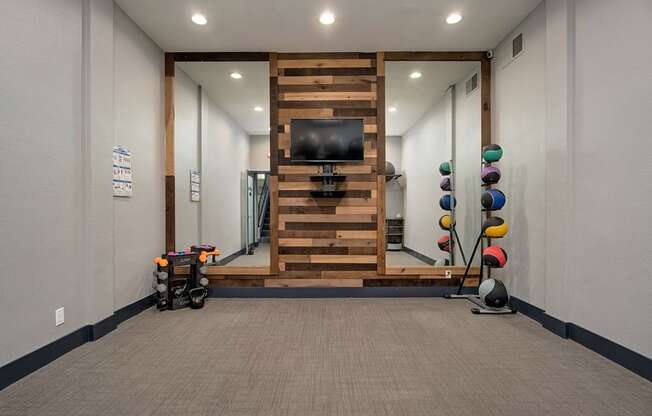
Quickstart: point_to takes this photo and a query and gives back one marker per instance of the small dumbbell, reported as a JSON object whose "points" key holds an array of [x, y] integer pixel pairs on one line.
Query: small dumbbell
{"points": [[203, 269], [161, 288], [203, 281]]}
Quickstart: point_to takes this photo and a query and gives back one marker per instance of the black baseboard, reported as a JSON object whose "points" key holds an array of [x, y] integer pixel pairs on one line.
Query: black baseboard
{"points": [[421, 257], [334, 292], [228, 259], [15, 370], [617, 353], [549, 322]]}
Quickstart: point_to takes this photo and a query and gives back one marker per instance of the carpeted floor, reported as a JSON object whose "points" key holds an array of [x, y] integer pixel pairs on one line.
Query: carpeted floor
{"points": [[330, 357]]}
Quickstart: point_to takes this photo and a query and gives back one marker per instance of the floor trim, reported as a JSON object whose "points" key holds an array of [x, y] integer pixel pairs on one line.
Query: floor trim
{"points": [[228, 259], [333, 292], [27, 364], [623, 356], [421, 257]]}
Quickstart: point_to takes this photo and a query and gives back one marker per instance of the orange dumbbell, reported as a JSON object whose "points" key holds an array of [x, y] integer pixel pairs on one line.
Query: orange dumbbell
{"points": [[161, 262]]}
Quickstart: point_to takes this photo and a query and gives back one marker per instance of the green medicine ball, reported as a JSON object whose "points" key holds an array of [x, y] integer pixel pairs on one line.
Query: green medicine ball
{"points": [[445, 168], [492, 153]]}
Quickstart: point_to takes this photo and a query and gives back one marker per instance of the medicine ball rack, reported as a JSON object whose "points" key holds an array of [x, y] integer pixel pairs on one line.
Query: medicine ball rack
{"points": [[482, 241], [453, 237]]}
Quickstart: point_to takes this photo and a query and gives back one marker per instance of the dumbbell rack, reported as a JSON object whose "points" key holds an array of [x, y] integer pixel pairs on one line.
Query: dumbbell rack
{"points": [[173, 292]]}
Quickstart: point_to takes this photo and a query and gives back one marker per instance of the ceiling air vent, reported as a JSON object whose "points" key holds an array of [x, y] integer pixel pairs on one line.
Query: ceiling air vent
{"points": [[472, 84], [517, 45]]}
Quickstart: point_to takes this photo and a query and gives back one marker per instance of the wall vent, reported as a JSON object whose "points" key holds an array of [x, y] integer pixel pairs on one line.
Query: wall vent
{"points": [[517, 45], [472, 84]]}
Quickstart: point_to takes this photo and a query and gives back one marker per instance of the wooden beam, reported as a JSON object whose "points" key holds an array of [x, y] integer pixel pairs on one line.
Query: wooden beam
{"points": [[273, 114], [325, 63], [380, 233], [435, 56], [169, 154], [220, 56], [273, 223], [485, 91]]}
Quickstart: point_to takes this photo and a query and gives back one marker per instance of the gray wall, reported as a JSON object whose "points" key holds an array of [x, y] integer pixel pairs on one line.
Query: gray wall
{"points": [[425, 145], [259, 152], [80, 82], [186, 157], [42, 194], [393, 189], [225, 158], [468, 215], [139, 220], [575, 129]]}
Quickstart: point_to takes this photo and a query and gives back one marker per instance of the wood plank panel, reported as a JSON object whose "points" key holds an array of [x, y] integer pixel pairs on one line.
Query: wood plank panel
{"points": [[235, 271], [432, 270], [337, 218], [320, 234], [313, 186], [356, 234], [328, 96], [326, 242], [327, 202], [313, 283]]}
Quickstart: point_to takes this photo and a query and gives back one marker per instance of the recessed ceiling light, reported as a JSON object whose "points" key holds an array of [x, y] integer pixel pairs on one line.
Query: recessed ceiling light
{"points": [[199, 19], [235, 75], [453, 18], [415, 75], [327, 18], [258, 108], [392, 109]]}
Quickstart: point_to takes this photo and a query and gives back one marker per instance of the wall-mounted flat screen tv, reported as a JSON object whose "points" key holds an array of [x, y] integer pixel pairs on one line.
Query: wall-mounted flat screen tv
{"points": [[327, 141]]}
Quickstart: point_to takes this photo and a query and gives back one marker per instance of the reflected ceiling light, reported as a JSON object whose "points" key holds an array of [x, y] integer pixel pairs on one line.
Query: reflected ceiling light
{"points": [[415, 75], [235, 75], [392, 109], [453, 18], [258, 108], [199, 19], [327, 18]]}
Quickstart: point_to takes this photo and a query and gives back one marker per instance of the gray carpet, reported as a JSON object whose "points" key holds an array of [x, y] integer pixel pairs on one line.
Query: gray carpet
{"points": [[330, 357]]}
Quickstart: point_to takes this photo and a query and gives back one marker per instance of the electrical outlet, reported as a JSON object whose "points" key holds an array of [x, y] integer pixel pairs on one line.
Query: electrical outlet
{"points": [[58, 317], [448, 274]]}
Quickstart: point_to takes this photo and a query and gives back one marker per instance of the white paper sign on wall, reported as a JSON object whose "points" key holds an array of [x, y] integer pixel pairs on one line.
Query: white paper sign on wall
{"points": [[122, 175], [195, 184]]}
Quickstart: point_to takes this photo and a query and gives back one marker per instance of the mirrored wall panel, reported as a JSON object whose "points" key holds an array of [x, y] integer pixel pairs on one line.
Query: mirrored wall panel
{"points": [[222, 159], [433, 149]]}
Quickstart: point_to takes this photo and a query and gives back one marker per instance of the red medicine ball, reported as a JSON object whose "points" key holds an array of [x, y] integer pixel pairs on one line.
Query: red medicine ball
{"points": [[444, 243], [494, 256]]}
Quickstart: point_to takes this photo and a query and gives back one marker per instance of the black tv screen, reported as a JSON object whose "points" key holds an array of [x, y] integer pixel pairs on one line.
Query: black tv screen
{"points": [[334, 140]]}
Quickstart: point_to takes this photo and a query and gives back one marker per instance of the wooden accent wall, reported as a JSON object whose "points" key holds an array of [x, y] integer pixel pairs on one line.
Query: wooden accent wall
{"points": [[326, 241]]}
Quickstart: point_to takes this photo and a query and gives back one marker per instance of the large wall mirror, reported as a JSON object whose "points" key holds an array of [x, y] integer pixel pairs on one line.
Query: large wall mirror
{"points": [[433, 117], [221, 157]]}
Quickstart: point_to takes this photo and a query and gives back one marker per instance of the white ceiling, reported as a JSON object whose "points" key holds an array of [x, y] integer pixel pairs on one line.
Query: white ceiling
{"points": [[413, 97], [237, 97], [292, 25]]}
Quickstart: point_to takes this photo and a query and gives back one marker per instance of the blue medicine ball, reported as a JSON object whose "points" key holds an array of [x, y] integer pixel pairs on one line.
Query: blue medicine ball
{"points": [[445, 202], [493, 199]]}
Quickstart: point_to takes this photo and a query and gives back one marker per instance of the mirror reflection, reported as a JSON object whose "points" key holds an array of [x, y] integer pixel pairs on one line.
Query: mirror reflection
{"points": [[433, 150], [222, 159]]}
